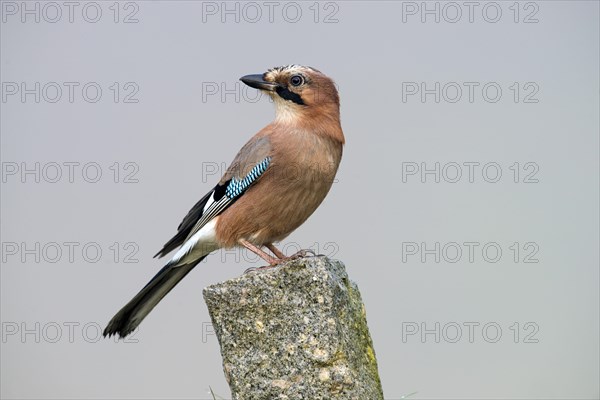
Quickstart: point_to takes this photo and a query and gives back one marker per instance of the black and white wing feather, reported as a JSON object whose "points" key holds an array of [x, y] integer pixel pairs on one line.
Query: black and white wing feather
{"points": [[212, 204]]}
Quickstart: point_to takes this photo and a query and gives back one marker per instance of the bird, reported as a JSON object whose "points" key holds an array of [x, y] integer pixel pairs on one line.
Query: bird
{"points": [[274, 183]]}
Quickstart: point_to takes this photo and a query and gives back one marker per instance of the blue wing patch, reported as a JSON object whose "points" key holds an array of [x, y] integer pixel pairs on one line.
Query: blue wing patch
{"points": [[237, 187]]}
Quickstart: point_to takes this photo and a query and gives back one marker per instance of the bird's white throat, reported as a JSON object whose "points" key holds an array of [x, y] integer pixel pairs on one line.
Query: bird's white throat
{"points": [[285, 110]]}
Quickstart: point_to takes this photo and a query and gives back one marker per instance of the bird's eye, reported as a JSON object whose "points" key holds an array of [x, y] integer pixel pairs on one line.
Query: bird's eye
{"points": [[296, 80]]}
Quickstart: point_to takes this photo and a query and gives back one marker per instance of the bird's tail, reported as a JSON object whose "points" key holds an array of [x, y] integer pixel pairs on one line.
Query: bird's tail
{"points": [[133, 313]]}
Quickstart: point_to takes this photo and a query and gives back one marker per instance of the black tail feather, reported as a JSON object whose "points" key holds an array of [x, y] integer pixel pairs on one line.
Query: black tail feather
{"points": [[133, 313]]}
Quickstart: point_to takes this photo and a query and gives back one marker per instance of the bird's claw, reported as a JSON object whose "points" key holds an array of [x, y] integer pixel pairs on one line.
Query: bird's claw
{"points": [[302, 253], [252, 269]]}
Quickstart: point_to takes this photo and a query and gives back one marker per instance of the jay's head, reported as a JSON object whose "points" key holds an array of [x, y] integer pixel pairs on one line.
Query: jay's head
{"points": [[298, 92]]}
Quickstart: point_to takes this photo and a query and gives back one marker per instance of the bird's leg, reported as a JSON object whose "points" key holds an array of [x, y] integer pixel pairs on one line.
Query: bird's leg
{"points": [[256, 250], [275, 251]]}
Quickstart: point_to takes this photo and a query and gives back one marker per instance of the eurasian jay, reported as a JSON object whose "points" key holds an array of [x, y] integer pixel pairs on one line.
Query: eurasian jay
{"points": [[275, 182]]}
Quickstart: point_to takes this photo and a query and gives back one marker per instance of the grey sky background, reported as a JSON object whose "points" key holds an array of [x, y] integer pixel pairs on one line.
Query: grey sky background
{"points": [[445, 323]]}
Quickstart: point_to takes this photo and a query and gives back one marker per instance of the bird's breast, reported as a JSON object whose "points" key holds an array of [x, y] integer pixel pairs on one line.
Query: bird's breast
{"points": [[301, 172]]}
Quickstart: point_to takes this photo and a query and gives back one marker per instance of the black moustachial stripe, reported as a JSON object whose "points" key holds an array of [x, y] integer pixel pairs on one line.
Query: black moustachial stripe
{"points": [[288, 95]]}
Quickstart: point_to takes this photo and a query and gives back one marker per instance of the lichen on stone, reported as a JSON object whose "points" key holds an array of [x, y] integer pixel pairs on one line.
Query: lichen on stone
{"points": [[297, 331]]}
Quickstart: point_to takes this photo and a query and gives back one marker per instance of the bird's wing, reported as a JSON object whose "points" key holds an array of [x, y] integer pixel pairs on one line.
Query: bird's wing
{"points": [[186, 225], [248, 165]]}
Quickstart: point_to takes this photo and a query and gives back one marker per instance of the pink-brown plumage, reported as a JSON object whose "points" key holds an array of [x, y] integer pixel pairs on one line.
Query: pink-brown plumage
{"points": [[299, 177], [305, 145]]}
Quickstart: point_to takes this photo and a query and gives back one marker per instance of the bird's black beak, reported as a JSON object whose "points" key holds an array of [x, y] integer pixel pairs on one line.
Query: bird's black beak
{"points": [[257, 82]]}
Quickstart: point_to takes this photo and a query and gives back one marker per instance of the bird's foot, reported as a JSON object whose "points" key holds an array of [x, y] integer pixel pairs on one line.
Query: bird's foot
{"points": [[301, 254]]}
